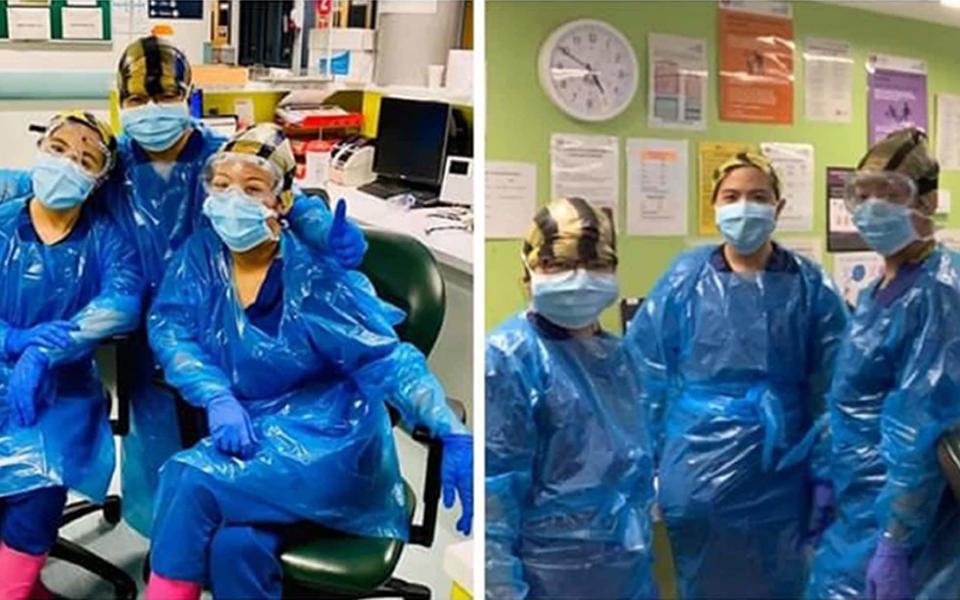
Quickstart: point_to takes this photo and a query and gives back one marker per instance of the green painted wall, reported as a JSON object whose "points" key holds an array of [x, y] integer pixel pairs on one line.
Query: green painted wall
{"points": [[520, 118]]}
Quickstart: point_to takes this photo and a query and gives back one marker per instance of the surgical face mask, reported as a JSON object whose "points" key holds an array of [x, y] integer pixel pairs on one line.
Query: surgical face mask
{"points": [[885, 226], [156, 127], [59, 183], [746, 225], [239, 220], [573, 299]]}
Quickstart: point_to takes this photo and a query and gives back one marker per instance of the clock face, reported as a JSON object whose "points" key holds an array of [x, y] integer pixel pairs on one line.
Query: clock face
{"points": [[589, 70]]}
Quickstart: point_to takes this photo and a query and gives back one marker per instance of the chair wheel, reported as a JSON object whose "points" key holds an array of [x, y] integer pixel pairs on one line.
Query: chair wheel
{"points": [[111, 510]]}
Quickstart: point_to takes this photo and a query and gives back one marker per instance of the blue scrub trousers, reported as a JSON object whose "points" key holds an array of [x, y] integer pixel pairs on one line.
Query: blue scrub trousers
{"points": [[29, 521], [240, 536]]}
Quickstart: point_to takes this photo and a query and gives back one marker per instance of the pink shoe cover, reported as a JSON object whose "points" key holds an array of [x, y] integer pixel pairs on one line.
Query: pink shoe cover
{"points": [[19, 572], [161, 588]]}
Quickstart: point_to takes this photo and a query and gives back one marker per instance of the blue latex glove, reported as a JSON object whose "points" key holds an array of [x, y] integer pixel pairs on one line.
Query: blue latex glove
{"points": [[231, 428], [345, 240], [54, 335], [24, 386], [824, 510], [888, 574], [456, 476]]}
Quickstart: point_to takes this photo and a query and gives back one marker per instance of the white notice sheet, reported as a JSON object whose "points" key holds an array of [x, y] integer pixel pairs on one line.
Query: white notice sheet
{"points": [[586, 166], [828, 80], [948, 131], [794, 164], [658, 184], [511, 198]]}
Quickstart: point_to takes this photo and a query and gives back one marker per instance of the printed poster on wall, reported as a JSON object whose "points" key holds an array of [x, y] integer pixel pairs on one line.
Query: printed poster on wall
{"points": [[854, 272], [586, 166], [794, 165], [828, 80], [842, 235], [756, 63], [897, 95], [948, 131], [677, 95], [711, 156], [657, 185]]}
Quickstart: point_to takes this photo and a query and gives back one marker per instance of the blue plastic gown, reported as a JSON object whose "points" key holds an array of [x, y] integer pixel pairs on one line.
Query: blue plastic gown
{"points": [[896, 390], [569, 467], [317, 391], [91, 278], [735, 369]]}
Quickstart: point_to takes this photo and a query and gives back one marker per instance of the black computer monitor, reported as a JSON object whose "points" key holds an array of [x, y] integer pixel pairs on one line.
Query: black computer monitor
{"points": [[412, 140]]}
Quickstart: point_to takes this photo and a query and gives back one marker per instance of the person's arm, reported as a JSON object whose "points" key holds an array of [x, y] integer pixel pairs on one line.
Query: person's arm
{"points": [[924, 404], [116, 308], [829, 327], [14, 183], [653, 338], [327, 232], [173, 329], [511, 442]]}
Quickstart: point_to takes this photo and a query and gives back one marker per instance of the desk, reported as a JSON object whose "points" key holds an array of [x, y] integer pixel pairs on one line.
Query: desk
{"points": [[452, 357], [451, 247]]}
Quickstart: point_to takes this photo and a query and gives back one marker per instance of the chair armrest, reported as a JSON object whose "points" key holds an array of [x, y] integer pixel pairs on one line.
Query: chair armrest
{"points": [[423, 534], [123, 370], [192, 420]]}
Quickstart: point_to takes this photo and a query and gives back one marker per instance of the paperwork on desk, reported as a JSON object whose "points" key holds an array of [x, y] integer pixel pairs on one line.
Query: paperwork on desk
{"points": [[828, 72], [511, 198], [657, 187], [794, 165], [586, 166]]}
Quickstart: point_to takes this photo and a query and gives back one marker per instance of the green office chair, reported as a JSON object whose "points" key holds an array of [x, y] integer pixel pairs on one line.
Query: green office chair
{"points": [[334, 564]]}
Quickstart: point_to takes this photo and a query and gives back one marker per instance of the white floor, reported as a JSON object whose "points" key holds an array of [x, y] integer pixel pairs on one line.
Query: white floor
{"points": [[125, 548]]}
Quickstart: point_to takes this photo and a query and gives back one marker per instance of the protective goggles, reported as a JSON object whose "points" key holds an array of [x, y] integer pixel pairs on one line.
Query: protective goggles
{"points": [[253, 175], [82, 157], [883, 185]]}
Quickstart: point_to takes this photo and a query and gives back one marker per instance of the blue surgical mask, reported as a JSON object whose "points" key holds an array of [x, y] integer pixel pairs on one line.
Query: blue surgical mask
{"points": [[59, 183], [573, 299], [885, 226], [239, 220], [746, 225], [156, 127]]}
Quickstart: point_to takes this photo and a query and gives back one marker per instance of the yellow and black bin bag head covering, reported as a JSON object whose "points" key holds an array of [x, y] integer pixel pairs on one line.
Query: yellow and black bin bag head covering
{"points": [[265, 144], [570, 233], [152, 67]]}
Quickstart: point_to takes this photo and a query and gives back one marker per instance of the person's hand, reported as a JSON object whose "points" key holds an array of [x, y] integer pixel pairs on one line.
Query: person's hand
{"points": [[231, 428], [24, 386], [456, 476], [53, 335], [824, 510], [888, 574], [345, 240]]}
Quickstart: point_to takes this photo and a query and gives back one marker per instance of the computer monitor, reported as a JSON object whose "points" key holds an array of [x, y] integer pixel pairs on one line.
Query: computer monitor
{"points": [[412, 140]]}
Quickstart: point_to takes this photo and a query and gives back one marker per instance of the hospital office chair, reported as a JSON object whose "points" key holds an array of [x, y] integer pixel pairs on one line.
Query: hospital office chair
{"points": [[68, 551], [334, 564]]}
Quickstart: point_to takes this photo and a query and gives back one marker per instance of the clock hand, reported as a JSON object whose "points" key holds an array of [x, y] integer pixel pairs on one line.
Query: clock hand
{"points": [[570, 55], [596, 80]]}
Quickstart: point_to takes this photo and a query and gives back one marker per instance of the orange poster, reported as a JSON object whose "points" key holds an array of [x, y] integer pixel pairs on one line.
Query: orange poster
{"points": [[756, 67]]}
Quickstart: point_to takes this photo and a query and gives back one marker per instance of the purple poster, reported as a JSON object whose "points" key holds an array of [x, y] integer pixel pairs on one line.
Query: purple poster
{"points": [[898, 99]]}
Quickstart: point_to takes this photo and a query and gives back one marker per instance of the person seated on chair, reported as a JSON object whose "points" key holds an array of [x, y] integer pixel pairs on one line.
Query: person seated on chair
{"points": [[68, 280], [294, 360]]}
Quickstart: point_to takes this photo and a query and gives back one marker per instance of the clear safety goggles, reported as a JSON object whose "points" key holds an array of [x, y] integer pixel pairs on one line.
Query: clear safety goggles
{"points": [[81, 157], [884, 185], [254, 176]]}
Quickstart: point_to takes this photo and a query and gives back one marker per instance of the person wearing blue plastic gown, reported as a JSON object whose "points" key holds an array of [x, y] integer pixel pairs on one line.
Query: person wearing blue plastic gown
{"points": [[736, 345], [569, 464], [895, 391], [68, 280], [154, 194], [295, 361]]}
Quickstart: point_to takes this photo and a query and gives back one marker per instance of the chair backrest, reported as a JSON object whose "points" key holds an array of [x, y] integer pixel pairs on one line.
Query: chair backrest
{"points": [[406, 274]]}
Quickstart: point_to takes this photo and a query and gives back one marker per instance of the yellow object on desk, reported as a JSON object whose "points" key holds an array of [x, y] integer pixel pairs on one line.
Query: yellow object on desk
{"points": [[458, 593]]}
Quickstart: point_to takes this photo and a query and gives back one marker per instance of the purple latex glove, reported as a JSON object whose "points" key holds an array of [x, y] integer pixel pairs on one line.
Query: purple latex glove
{"points": [[345, 240], [888, 574], [824, 510]]}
